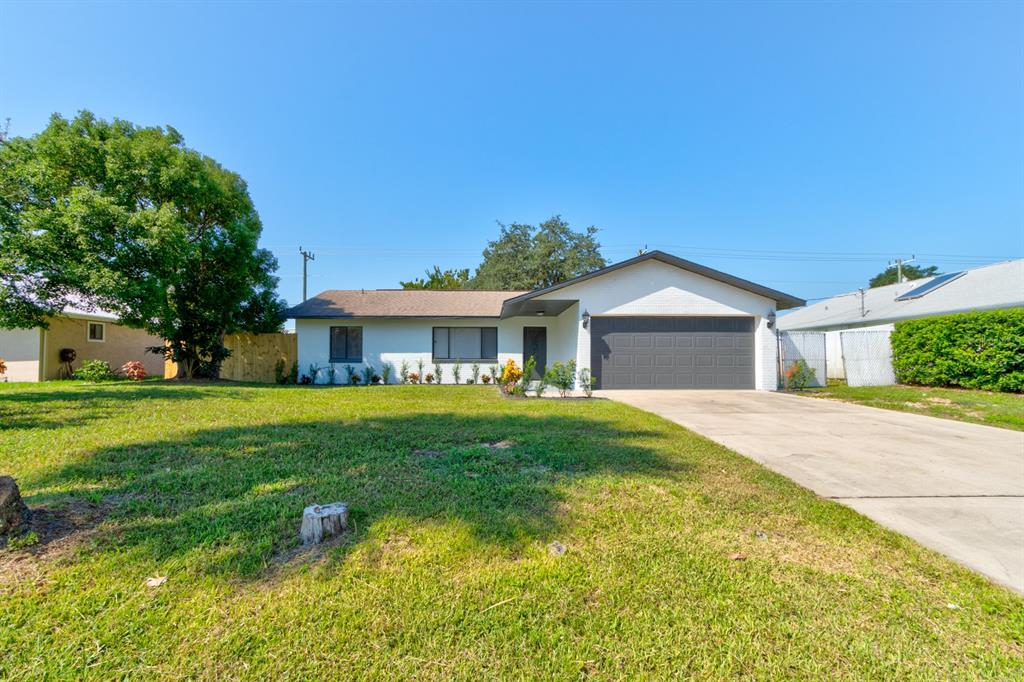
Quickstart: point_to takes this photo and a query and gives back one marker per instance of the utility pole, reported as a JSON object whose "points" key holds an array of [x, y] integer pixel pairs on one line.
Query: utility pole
{"points": [[306, 257], [899, 267]]}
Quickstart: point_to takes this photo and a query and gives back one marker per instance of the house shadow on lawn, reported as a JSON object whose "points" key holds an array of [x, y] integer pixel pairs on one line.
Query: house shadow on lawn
{"points": [[231, 499]]}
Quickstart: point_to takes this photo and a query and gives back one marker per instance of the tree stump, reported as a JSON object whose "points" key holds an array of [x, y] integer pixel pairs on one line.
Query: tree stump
{"points": [[13, 512], [323, 521]]}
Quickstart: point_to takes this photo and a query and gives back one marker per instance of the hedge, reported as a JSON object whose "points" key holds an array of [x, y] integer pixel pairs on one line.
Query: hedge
{"points": [[972, 350]]}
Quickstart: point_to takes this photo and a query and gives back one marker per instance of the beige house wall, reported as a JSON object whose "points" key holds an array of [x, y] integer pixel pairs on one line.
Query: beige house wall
{"points": [[120, 345]]}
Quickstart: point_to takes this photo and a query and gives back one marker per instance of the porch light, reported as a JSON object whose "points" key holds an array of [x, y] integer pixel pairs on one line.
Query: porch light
{"points": [[586, 319], [540, 313], [771, 319]]}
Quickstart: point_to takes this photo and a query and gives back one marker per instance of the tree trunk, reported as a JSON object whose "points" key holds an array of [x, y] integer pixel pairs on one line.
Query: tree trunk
{"points": [[323, 521]]}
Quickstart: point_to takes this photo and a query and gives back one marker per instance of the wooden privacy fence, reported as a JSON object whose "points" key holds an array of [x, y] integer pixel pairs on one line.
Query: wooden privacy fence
{"points": [[253, 357]]}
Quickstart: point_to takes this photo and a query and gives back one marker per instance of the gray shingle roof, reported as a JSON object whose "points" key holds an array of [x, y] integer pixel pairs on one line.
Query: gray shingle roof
{"points": [[991, 287], [402, 303]]}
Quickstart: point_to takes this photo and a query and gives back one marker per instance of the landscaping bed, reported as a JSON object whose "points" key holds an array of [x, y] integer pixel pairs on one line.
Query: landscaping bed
{"points": [[488, 538]]}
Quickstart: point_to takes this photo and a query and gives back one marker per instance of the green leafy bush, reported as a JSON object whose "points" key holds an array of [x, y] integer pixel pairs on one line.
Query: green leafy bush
{"points": [[457, 371], [983, 350], [528, 368], [798, 376], [587, 382], [94, 371], [562, 375]]}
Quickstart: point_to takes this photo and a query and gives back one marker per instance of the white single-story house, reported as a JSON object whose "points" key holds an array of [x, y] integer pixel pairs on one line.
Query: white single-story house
{"points": [[653, 321], [35, 354], [990, 287]]}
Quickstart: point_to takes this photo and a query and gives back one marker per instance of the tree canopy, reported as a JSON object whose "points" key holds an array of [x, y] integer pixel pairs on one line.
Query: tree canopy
{"points": [[524, 257], [910, 271], [112, 215], [438, 279]]}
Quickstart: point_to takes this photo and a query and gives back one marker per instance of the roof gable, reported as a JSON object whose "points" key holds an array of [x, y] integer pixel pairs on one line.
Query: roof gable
{"points": [[782, 300]]}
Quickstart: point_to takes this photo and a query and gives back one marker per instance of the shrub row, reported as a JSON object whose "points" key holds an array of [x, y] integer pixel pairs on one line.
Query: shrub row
{"points": [[972, 350]]}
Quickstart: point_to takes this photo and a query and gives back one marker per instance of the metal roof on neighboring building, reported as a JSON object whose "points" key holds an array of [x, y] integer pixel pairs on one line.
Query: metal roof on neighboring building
{"points": [[991, 287]]}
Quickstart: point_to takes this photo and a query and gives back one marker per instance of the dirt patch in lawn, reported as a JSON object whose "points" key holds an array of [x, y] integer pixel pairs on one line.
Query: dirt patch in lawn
{"points": [[60, 531]]}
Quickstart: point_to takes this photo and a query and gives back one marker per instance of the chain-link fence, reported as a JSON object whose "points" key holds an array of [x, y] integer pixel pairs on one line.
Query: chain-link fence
{"points": [[806, 346], [867, 358]]}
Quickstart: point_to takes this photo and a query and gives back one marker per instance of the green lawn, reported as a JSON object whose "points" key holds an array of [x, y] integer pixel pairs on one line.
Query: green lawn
{"points": [[682, 559], [1005, 410]]}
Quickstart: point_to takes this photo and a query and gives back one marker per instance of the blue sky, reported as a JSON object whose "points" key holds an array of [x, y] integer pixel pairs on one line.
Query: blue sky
{"points": [[800, 145]]}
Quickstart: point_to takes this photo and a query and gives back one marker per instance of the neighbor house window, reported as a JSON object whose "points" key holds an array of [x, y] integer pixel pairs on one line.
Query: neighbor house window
{"points": [[465, 343], [97, 331], [346, 344]]}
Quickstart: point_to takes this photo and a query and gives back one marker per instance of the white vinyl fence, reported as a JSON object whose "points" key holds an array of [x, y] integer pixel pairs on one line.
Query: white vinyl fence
{"points": [[867, 358], [806, 346]]}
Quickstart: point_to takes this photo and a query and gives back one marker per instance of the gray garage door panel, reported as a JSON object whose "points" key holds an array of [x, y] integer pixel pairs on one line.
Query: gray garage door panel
{"points": [[672, 352]]}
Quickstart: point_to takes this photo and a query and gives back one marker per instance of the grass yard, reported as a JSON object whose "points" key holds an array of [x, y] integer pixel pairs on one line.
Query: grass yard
{"points": [[1005, 410], [682, 558]]}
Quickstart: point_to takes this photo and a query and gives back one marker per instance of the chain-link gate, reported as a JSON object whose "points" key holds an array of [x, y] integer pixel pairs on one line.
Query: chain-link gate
{"points": [[806, 346], [867, 357]]}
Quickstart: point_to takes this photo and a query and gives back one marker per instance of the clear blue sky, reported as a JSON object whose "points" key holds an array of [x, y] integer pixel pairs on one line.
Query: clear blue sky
{"points": [[391, 137]]}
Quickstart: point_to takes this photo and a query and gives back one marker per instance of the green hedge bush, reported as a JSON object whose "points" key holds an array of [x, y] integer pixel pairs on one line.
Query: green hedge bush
{"points": [[972, 350]]}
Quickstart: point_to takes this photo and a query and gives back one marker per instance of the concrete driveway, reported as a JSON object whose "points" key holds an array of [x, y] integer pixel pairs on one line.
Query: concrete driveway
{"points": [[957, 488]]}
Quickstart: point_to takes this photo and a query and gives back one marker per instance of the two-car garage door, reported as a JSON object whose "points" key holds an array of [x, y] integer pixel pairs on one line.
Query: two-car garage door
{"points": [[672, 352]]}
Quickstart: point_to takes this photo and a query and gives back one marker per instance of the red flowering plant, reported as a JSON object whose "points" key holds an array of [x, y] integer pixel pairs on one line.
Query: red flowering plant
{"points": [[134, 370]]}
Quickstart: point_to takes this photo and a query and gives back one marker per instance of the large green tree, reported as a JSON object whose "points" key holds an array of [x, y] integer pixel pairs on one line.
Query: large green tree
{"points": [[524, 257], [910, 271], [529, 257], [440, 279], [129, 219]]}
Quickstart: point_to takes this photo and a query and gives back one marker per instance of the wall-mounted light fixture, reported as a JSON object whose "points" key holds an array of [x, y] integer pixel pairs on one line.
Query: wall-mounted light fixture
{"points": [[586, 318], [771, 320], [540, 313]]}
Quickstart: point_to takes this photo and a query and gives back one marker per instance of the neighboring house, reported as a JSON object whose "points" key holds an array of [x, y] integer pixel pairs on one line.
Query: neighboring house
{"points": [[34, 354], [654, 321], [991, 287]]}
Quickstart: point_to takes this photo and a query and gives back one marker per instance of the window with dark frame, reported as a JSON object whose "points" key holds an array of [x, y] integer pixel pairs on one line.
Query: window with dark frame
{"points": [[96, 331], [465, 343], [346, 344]]}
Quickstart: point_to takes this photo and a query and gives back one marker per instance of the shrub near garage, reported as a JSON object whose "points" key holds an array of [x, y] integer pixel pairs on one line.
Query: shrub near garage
{"points": [[94, 371], [982, 350]]}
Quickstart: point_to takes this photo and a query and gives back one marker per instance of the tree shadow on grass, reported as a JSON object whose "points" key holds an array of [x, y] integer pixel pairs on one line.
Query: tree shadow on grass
{"points": [[231, 499], [75, 404]]}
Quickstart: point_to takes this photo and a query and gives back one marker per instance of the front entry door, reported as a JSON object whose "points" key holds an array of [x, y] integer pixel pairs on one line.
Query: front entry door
{"points": [[535, 343]]}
